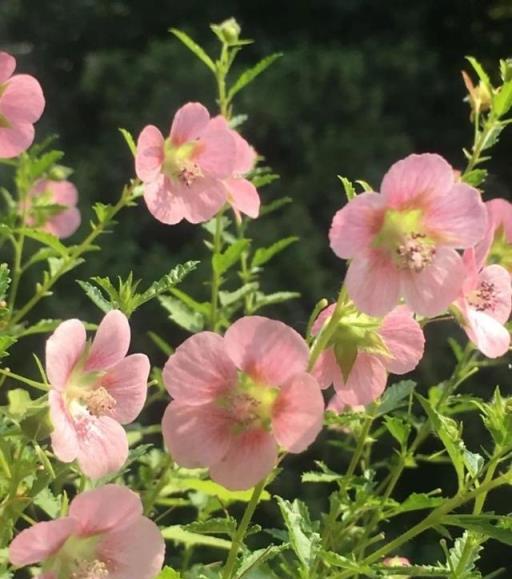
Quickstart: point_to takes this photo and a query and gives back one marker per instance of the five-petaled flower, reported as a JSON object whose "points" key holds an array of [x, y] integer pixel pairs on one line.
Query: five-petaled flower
{"points": [[95, 388], [104, 535], [363, 350], [402, 242], [237, 398], [21, 105]]}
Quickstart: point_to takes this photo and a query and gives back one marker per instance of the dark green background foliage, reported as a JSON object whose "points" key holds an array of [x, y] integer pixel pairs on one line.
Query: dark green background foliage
{"points": [[362, 84]]}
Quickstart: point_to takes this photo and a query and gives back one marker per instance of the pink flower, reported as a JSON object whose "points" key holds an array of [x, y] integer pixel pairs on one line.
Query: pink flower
{"points": [[237, 397], [183, 174], [241, 193], [496, 246], [402, 241], [104, 535], [485, 306], [397, 561], [95, 389], [21, 105], [363, 351], [47, 193]]}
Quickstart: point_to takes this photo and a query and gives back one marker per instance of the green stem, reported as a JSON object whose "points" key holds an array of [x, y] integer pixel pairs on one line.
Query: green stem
{"points": [[39, 385], [217, 248], [361, 442], [489, 475], [242, 530], [429, 521], [480, 140]]}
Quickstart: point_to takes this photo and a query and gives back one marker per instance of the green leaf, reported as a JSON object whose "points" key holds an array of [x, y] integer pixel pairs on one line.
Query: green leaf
{"points": [[304, 538], [502, 101], [50, 504], [463, 556], [482, 75], [168, 281], [258, 558], [19, 403], [251, 73], [475, 177], [221, 262], [215, 526], [498, 527], [474, 462], [210, 488], [265, 254], [194, 47], [45, 238], [229, 298], [6, 342], [164, 346], [42, 165], [182, 314], [262, 300], [395, 396], [274, 205], [94, 294], [178, 534], [168, 573], [418, 502], [398, 428], [5, 280], [129, 140], [348, 187]]}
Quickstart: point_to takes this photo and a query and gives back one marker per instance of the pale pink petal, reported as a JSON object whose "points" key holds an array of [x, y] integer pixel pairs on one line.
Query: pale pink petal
{"points": [[489, 336], [22, 101], [162, 201], [62, 192], [337, 405], [150, 154], [459, 217], [196, 436], [421, 177], [189, 123], [105, 508], [40, 542], [110, 343], [7, 66], [431, 291], [200, 370], [202, 199], [471, 278], [404, 338], [15, 139], [216, 154], [64, 224], [297, 416], [250, 459], [326, 369], [323, 316], [243, 196], [102, 446], [499, 278], [134, 551], [355, 226], [366, 381], [127, 382], [63, 350], [64, 436], [500, 214], [373, 283], [245, 155], [267, 350]]}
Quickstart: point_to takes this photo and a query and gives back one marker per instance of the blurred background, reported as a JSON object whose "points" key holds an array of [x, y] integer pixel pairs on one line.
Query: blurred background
{"points": [[362, 83]]}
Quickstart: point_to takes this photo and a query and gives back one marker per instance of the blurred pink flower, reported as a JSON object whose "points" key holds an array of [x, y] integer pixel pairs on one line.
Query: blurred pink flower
{"points": [[241, 193], [95, 389], [496, 246], [21, 105], [48, 192], [485, 306], [402, 241], [237, 397], [183, 174], [369, 349], [104, 535]]}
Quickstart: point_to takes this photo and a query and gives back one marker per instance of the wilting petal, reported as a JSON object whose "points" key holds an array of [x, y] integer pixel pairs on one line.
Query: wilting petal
{"points": [[200, 370], [250, 459], [196, 436], [297, 416], [63, 349], [40, 542], [267, 350], [110, 343]]}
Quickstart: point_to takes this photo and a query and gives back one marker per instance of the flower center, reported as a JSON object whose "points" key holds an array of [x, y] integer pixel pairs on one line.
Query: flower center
{"points": [[415, 252], [90, 570], [179, 162], [99, 402], [484, 298]]}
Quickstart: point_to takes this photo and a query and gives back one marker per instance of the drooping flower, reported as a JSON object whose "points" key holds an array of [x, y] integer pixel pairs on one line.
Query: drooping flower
{"points": [[21, 105], [51, 206], [241, 193], [496, 246], [485, 306], [183, 174], [402, 242], [237, 398], [363, 350], [95, 388], [104, 535]]}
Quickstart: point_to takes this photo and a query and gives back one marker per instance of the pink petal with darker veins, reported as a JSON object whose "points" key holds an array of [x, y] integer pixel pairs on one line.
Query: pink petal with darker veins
{"points": [[243, 196], [202, 199], [189, 123], [216, 154], [366, 381], [64, 224], [268, 350], [489, 336], [110, 343], [499, 279], [63, 350], [64, 437], [22, 101], [163, 202], [150, 154], [7, 66], [326, 369], [15, 139]]}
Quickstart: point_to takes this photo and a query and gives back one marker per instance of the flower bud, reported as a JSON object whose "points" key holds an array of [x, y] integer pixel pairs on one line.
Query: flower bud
{"points": [[228, 31]]}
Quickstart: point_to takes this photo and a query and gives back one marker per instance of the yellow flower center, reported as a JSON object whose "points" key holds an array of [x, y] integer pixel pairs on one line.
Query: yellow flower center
{"points": [[179, 162]]}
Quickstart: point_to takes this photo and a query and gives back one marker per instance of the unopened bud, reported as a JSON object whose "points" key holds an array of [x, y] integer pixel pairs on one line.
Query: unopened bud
{"points": [[228, 31]]}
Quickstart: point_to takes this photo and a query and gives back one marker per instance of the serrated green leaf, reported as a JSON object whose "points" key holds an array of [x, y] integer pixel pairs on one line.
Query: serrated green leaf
{"points": [[479, 69], [182, 315], [168, 281], [251, 73], [210, 488], [5, 280], [19, 403], [94, 294], [395, 396], [46, 239], [348, 187], [475, 177], [258, 558], [42, 165], [463, 556], [418, 502], [6, 341], [168, 573], [215, 526], [502, 101], [498, 527], [264, 254], [398, 428], [127, 136], [229, 298], [262, 300], [47, 501], [178, 534], [274, 205], [222, 262], [194, 47]]}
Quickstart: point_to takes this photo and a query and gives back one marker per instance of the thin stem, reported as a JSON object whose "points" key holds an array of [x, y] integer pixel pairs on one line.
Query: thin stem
{"points": [[489, 475], [361, 442], [39, 385], [242, 530], [217, 248]]}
